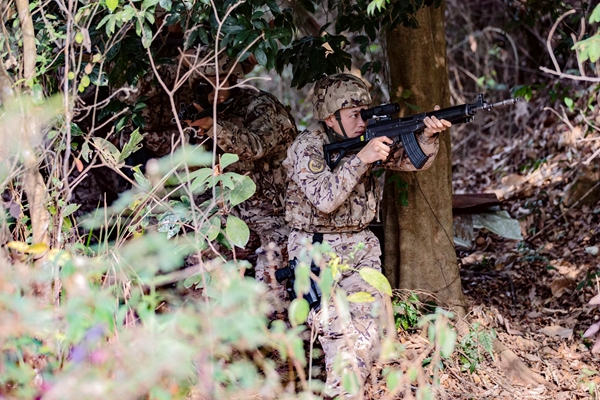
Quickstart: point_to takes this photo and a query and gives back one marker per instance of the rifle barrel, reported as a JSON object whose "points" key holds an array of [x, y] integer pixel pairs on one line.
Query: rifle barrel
{"points": [[502, 103]]}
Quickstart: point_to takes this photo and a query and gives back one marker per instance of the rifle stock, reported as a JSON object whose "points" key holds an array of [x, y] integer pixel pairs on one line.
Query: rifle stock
{"points": [[405, 129]]}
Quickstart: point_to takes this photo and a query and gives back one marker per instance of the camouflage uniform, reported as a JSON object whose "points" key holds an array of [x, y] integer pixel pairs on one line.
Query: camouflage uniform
{"points": [[340, 204], [257, 128], [160, 133]]}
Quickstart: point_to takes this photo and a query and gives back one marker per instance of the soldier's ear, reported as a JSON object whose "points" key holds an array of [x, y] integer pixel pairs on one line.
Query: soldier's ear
{"points": [[330, 121]]}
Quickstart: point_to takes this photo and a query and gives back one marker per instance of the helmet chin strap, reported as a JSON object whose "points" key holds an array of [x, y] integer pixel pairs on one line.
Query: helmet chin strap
{"points": [[338, 117]]}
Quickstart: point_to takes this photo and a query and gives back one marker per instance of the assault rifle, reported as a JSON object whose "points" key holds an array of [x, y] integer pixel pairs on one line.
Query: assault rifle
{"points": [[404, 129]]}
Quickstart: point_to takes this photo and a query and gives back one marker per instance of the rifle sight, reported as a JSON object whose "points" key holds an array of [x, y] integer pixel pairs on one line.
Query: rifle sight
{"points": [[379, 111]]}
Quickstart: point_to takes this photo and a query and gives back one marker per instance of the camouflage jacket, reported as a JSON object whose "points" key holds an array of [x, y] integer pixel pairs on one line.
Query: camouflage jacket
{"points": [[345, 199], [258, 128]]}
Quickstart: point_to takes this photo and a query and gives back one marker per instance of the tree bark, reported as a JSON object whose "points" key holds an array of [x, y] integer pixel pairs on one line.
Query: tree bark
{"points": [[33, 182], [29, 50], [419, 248]]}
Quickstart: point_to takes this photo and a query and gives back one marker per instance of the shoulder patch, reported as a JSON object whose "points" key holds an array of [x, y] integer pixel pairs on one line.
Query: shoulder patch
{"points": [[316, 164]]}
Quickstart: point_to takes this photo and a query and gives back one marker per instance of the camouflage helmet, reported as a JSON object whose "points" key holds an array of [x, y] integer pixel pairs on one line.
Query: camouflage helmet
{"points": [[225, 64], [338, 91]]}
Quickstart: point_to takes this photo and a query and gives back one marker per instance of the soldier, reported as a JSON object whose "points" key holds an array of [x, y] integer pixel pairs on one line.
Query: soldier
{"points": [[339, 205], [258, 128], [103, 185]]}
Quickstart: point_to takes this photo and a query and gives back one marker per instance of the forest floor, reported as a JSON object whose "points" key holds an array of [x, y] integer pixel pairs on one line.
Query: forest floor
{"points": [[533, 294]]}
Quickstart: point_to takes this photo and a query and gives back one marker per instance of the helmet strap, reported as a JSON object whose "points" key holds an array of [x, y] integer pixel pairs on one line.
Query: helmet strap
{"points": [[339, 120]]}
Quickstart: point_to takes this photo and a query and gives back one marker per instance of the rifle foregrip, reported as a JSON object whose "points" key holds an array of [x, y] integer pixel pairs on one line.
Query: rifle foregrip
{"points": [[414, 152]]}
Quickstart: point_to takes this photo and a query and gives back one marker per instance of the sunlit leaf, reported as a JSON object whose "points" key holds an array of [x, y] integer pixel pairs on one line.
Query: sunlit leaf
{"points": [[595, 16], [298, 311], [112, 4], [18, 246], [361, 297], [376, 279]]}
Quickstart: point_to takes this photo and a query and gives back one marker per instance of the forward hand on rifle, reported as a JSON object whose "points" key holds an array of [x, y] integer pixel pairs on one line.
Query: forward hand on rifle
{"points": [[378, 148]]}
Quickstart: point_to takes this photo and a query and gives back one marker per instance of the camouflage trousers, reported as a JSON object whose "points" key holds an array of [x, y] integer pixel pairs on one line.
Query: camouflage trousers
{"points": [[350, 338], [271, 255]]}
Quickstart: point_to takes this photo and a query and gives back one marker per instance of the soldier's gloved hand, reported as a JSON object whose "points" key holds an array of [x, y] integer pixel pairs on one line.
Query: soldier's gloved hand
{"points": [[434, 125], [377, 149]]}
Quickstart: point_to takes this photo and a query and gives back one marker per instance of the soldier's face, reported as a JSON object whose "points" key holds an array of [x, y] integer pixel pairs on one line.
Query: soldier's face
{"points": [[223, 94], [353, 123]]}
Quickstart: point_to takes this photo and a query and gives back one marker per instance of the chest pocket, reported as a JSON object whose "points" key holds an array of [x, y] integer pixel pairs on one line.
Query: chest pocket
{"points": [[362, 203]]}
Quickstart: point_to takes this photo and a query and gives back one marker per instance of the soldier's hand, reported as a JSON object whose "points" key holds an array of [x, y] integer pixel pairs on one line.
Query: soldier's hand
{"points": [[434, 125], [377, 149], [203, 124]]}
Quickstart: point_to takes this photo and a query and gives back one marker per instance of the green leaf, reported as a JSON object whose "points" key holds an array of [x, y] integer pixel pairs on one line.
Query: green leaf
{"points": [[85, 151], [376, 279], [211, 228], [70, 209], [361, 297], [447, 338], [79, 37], [108, 152], [132, 145], [595, 17], [569, 102], [237, 231], [170, 224], [85, 81], [393, 378], [141, 179], [261, 57], [149, 3], [350, 381], [298, 311], [326, 282], [227, 159], [594, 50], [242, 191], [227, 181], [166, 4], [424, 393], [200, 175], [112, 4], [341, 304]]}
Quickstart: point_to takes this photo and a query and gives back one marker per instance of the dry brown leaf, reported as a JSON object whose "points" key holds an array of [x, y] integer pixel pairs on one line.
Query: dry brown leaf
{"points": [[561, 285], [532, 357], [557, 330]]}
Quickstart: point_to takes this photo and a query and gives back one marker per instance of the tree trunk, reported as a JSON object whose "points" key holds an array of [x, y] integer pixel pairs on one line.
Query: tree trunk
{"points": [[33, 182], [419, 249]]}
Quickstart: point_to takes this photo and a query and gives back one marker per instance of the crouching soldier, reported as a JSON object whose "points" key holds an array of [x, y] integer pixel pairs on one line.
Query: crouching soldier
{"points": [[338, 205]]}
